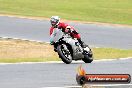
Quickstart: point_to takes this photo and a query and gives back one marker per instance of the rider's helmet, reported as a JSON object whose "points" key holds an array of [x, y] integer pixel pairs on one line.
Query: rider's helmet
{"points": [[55, 20]]}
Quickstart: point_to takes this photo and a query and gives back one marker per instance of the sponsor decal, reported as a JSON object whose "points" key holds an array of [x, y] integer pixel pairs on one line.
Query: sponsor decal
{"points": [[82, 78]]}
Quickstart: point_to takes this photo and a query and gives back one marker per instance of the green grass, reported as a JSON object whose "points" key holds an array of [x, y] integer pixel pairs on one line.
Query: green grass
{"points": [[111, 53], [109, 11], [12, 51]]}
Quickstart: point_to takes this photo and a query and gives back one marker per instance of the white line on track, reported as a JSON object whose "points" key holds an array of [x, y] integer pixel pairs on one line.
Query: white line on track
{"points": [[114, 85], [64, 87], [52, 62], [95, 85]]}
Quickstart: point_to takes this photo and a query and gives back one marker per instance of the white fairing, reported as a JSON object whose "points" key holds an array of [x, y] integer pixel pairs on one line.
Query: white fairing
{"points": [[70, 40], [56, 35]]}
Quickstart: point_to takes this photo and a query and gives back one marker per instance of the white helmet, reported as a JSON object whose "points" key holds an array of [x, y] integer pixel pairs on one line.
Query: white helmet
{"points": [[54, 20]]}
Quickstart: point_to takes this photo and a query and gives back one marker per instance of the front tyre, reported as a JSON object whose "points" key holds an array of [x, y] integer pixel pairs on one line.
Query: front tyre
{"points": [[64, 53]]}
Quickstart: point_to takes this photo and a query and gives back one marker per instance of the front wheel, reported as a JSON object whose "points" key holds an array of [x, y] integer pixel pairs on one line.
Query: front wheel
{"points": [[88, 57], [64, 53]]}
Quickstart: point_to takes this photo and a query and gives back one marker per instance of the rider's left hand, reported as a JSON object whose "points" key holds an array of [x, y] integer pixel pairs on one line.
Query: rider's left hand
{"points": [[51, 42]]}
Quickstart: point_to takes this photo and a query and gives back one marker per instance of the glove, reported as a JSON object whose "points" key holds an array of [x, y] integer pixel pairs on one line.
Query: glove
{"points": [[51, 42], [68, 29]]}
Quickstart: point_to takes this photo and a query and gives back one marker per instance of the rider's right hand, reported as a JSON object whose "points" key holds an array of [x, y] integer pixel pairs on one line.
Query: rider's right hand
{"points": [[67, 30]]}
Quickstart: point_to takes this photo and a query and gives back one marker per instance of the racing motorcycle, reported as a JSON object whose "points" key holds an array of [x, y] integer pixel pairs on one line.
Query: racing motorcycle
{"points": [[68, 48]]}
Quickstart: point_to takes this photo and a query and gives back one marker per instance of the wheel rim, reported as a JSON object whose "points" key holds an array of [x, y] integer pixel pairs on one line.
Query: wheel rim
{"points": [[66, 52]]}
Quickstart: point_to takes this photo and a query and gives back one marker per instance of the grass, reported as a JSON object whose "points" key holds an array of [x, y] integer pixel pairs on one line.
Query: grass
{"points": [[111, 53], [25, 51], [15, 50], [110, 11]]}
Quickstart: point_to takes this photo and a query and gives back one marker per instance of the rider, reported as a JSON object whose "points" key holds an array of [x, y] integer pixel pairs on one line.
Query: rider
{"points": [[55, 23]]}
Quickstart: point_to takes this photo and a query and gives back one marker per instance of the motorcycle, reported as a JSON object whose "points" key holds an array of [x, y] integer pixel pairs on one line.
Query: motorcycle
{"points": [[68, 48]]}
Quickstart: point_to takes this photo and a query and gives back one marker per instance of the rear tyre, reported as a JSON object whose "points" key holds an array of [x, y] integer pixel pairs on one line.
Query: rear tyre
{"points": [[64, 53], [88, 57]]}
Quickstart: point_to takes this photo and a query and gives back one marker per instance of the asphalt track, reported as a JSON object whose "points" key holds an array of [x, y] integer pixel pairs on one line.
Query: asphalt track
{"points": [[41, 75], [93, 34]]}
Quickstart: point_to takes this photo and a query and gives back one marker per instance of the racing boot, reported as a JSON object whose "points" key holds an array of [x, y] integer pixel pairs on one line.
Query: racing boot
{"points": [[82, 43]]}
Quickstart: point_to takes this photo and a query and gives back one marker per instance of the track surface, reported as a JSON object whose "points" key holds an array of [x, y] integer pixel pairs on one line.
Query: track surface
{"points": [[92, 34], [59, 74], [56, 74]]}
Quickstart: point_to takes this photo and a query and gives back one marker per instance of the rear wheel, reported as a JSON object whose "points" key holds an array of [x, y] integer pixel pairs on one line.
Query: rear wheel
{"points": [[88, 57], [64, 53]]}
